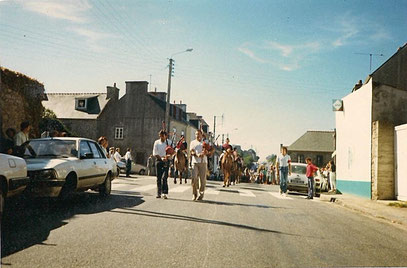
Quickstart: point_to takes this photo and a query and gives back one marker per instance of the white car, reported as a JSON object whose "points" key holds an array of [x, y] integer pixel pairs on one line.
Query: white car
{"points": [[13, 177], [298, 181], [61, 166], [135, 168]]}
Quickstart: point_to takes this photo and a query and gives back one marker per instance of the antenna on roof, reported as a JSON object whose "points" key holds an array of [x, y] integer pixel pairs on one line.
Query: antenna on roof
{"points": [[370, 54]]}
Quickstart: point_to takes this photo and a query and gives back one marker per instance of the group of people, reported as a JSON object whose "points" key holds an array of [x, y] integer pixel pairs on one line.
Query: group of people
{"points": [[12, 142], [200, 150], [114, 154], [283, 165]]}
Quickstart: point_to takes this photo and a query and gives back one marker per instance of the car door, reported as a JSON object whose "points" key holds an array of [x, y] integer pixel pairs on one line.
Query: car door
{"points": [[100, 169], [87, 166]]}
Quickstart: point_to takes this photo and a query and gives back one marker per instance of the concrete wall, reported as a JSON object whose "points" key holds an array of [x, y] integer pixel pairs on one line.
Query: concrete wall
{"points": [[401, 160], [389, 104], [353, 142], [140, 117], [86, 128], [383, 181], [393, 72]]}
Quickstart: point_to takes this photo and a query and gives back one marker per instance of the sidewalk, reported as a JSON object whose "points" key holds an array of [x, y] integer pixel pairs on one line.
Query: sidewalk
{"points": [[378, 209]]}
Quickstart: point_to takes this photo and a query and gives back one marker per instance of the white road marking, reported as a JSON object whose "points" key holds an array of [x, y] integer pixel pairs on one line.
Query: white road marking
{"points": [[144, 188], [180, 189], [120, 187], [277, 195], [211, 191], [248, 193]]}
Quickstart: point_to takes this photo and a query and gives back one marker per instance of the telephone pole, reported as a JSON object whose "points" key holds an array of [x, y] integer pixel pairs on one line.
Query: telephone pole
{"points": [[167, 107]]}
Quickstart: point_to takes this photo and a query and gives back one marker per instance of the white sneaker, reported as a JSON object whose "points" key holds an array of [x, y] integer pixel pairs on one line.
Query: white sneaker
{"points": [[284, 194], [165, 196]]}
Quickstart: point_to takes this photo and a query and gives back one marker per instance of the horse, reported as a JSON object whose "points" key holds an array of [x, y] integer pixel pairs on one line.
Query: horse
{"points": [[227, 168], [237, 171], [180, 163]]}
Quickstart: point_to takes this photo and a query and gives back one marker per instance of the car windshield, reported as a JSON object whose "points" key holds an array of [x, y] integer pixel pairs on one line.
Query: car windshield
{"points": [[51, 148], [298, 169]]}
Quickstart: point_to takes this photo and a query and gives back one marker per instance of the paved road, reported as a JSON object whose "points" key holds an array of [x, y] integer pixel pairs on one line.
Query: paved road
{"points": [[248, 225]]}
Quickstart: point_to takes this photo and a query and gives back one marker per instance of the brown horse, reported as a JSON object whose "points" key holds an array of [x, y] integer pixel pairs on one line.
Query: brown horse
{"points": [[227, 168], [180, 163]]}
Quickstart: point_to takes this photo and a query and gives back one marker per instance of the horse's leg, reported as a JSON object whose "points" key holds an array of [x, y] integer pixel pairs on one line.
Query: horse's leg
{"points": [[186, 174], [224, 178], [180, 176]]}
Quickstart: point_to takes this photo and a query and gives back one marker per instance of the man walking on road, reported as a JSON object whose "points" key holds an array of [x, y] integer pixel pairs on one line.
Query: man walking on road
{"points": [[128, 159], [199, 166], [283, 169], [162, 163], [311, 168]]}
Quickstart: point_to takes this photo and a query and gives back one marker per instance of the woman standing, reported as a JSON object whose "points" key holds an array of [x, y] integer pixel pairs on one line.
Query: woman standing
{"points": [[332, 175]]}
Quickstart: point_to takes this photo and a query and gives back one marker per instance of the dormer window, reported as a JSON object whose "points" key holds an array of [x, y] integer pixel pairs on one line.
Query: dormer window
{"points": [[81, 104]]}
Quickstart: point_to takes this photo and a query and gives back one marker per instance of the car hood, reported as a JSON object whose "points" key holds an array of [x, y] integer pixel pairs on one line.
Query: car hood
{"points": [[297, 175], [45, 163]]}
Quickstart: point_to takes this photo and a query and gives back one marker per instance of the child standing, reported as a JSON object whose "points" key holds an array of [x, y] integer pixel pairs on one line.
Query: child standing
{"points": [[311, 168]]}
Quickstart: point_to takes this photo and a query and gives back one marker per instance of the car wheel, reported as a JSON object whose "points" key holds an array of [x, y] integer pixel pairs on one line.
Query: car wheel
{"points": [[68, 189], [142, 172], [106, 187]]}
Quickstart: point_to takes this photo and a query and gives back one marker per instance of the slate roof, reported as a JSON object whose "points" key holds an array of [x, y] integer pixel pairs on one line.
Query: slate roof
{"points": [[314, 141], [63, 105]]}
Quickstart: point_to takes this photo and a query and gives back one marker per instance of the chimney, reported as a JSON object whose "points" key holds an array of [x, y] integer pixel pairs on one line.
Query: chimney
{"points": [[136, 88], [112, 92]]}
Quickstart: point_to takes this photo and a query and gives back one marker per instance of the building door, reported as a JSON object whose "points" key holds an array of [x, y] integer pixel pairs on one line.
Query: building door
{"points": [[401, 159]]}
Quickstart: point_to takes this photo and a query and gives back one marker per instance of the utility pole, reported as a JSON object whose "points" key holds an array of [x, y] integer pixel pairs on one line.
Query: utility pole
{"points": [[149, 88], [167, 107], [370, 55]]}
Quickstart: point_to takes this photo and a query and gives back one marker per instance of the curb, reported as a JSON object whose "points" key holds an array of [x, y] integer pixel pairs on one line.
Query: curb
{"points": [[337, 200]]}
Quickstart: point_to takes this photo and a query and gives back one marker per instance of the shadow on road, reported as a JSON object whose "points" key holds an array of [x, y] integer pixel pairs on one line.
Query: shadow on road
{"points": [[222, 203], [154, 214], [29, 222]]}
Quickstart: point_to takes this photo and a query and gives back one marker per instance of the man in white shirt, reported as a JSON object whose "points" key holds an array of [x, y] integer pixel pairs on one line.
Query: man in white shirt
{"points": [[199, 166], [117, 155], [162, 164], [283, 169], [128, 159], [22, 136]]}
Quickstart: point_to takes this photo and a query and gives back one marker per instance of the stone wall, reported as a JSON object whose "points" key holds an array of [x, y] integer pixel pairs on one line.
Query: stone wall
{"points": [[383, 187], [20, 100]]}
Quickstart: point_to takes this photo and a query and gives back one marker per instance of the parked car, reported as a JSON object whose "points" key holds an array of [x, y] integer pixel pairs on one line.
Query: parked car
{"points": [[297, 181], [135, 168], [13, 177], [57, 167]]}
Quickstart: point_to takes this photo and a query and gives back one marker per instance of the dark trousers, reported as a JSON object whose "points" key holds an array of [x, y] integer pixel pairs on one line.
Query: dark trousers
{"points": [[162, 177], [311, 187], [128, 167]]}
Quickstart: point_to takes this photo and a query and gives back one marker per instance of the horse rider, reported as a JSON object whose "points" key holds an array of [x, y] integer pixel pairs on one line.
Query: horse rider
{"points": [[183, 146], [226, 147]]}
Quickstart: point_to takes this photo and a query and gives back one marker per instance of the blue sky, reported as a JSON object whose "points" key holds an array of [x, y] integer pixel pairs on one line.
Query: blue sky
{"points": [[271, 67]]}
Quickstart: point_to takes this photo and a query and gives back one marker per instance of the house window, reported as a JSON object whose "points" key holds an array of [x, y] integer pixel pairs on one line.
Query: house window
{"points": [[301, 158], [118, 133], [320, 160]]}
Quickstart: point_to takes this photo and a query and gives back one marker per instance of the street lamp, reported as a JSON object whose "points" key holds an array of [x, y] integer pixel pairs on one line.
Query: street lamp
{"points": [[170, 74]]}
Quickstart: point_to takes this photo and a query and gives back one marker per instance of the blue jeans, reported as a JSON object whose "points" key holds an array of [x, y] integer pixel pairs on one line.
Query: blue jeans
{"points": [[283, 179], [311, 187]]}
